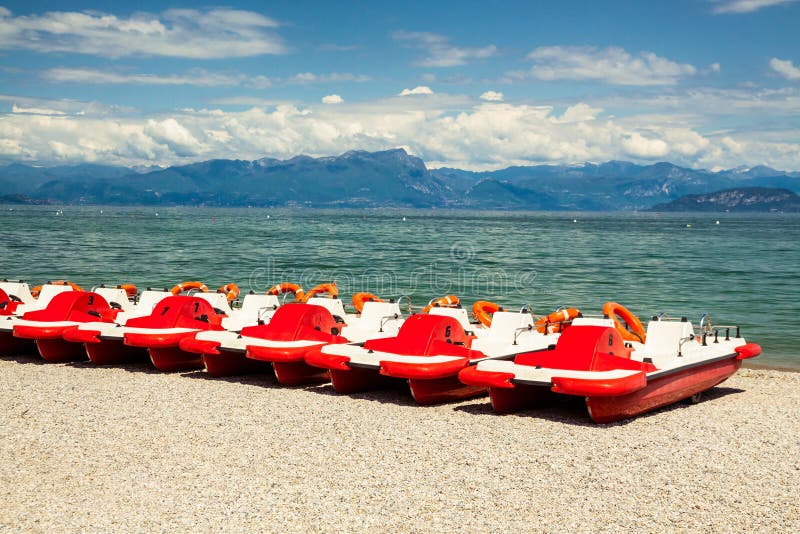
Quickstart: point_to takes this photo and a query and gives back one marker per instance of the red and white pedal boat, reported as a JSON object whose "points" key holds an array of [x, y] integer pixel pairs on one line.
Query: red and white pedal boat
{"points": [[16, 299], [428, 352], [283, 343], [618, 378], [66, 310]]}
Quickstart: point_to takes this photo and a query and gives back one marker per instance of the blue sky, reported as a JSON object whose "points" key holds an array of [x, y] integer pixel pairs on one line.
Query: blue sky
{"points": [[702, 83]]}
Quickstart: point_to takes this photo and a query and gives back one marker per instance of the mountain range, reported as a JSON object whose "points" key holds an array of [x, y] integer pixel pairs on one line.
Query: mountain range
{"points": [[390, 178]]}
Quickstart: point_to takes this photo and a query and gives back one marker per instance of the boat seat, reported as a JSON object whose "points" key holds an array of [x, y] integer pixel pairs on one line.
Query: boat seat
{"points": [[48, 292], [459, 314], [21, 290], [298, 321], [180, 311], [335, 306], [374, 315], [115, 295], [79, 306], [662, 340], [506, 324], [256, 305], [426, 335], [218, 301]]}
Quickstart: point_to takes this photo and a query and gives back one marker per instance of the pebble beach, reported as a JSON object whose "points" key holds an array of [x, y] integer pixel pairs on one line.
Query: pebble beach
{"points": [[127, 448]]}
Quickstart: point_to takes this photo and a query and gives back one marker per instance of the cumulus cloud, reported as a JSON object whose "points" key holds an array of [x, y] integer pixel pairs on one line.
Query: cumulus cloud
{"points": [[418, 90], [189, 33], [785, 68], [332, 99], [744, 6], [440, 52], [492, 96], [610, 65], [444, 130]]}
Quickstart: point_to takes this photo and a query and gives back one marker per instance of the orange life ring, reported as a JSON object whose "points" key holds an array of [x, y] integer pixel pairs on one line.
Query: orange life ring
{"points": [[556, 318], [447, 301], [286, 287], [231, 291], [186, 286], [483, 310], [38, 289], [329, 289], [618, 311], [360, 298], [130, 289]]}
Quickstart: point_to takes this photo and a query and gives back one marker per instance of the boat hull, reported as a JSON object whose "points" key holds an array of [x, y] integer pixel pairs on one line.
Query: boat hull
{"points": [[439, 390], [229, 363], [359, 380], [172, 359], [12, 346], [113, 352], [60, 351], [662, 391], [289, 364]]}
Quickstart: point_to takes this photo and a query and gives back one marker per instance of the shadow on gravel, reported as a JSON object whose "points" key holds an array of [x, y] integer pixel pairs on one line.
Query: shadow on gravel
{"points": [[265, 379], [24, 359], [572, 410], [397, 394]]}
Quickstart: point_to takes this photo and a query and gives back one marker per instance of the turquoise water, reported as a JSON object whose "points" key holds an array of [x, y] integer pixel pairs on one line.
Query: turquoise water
{"points": [[744, 270]]}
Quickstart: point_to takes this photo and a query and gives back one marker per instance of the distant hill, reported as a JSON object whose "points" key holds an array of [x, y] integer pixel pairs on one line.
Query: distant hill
{"points": [[740, 199], [390, 178]]}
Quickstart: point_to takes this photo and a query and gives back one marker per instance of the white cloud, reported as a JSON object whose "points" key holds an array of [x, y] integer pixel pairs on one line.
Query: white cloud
{"points": [[36, 111], [610, 65], [492, 96], [310, 77], [197, 77], [189, 33], [442, 129], [418, 90], [440, 53], [332, 99], [785, 68], [745, 6]]}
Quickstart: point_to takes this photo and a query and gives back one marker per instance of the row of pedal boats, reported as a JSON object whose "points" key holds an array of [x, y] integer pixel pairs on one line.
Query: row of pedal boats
{"points": [[522, 360]]}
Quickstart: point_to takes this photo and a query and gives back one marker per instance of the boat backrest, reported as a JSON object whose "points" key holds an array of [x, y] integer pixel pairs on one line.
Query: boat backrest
{"points": [[335, 306], [253, 306], [374, 315], [592, 321], [217, 300], [48, 292], [459, 314], [21, 290], [505, 325], [663, 339], [148, 300], [115, 295]]}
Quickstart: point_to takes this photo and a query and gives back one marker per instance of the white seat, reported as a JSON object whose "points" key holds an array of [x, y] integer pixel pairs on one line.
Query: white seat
{"points": [[663, 340], [144, 306], [505, 325], [376, 315], [217, 300], [21, 290], [459, 314], [334, 306], [254, 308], [115, 295]]}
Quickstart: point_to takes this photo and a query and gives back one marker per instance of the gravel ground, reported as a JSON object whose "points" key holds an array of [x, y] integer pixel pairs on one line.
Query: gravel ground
{"points": [[94, 449]]}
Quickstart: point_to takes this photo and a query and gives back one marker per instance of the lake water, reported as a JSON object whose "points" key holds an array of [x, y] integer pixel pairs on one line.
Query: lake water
{"points": [[741, 269]]}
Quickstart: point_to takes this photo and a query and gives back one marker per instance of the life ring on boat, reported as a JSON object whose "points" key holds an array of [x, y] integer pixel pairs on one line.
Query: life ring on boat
{"points": [[553, 322], [186, 286], [286, 287], [231, 291], [618, 311], [38, 289], [483, 310], [130, 289], [447, 301], [329, 289], [360, 298]]}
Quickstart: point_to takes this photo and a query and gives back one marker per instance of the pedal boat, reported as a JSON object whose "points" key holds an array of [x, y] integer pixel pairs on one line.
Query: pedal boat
{"points": [[66, 310], [428, 352], [172, 319], [16, 299], [283, 343], [619, 378]]}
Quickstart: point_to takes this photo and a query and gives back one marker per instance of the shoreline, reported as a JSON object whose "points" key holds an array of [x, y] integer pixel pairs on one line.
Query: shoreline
{"points": [[98, 449]]}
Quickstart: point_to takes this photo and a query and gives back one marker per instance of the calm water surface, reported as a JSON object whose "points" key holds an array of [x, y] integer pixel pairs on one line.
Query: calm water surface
{"points": [[743, 270]]}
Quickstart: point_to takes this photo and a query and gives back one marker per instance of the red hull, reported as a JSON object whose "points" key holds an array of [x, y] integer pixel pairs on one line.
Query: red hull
{"points": [[233, 363], [358, 380], [438, 390], [299, 373], [661, 391], [520, 397], [11, 346], [112, 352], [170, 359], [60, 351]]}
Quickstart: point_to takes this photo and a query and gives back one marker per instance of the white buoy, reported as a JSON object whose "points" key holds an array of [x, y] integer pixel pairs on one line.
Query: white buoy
{"points": [[404, 219], [267, 216], [156, 214], [574, 220], [688, 226], [717, 222]]}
